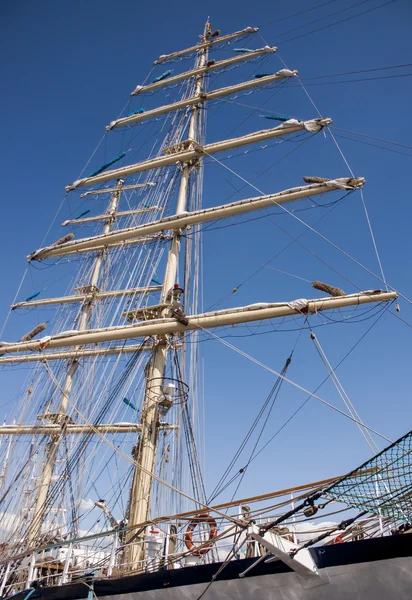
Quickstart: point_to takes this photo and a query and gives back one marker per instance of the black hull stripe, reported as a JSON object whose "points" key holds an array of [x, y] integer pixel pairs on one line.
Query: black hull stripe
{"points": [[327, 556]]}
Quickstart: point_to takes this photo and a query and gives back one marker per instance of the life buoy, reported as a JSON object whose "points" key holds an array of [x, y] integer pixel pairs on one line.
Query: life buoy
{"points": [[201, 518]]}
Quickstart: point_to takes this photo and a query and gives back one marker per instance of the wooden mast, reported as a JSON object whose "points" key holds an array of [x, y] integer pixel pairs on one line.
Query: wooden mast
{"points": [[60, 418]]}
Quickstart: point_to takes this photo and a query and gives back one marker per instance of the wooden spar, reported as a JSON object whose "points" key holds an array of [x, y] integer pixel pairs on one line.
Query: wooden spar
{"points": [[79, 354], [220, 64], [35, 525], [244, 314], [180, 221], [116, 215], [140, 498], [286, 128], [110, 190], [97, 295], [104, 247], [74, 429], [206, 44], [213, 95]]}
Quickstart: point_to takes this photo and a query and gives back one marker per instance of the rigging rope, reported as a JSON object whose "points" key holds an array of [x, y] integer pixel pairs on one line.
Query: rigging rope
{"points": [[313, 230], [267, 405], [296, 385], [56, 488], [345, 398], [338, 22], [133, 462], [366, 213]]}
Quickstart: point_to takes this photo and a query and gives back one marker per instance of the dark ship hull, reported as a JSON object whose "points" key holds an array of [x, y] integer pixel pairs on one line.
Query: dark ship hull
{"points": [[378, 569]]}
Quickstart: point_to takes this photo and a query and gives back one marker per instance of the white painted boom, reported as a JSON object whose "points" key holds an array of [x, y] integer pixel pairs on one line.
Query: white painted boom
{"points": [[193, 100], [244, 314], [286, 128], [79, 354], [220, 64], [115, 215], [70, 429], [201, 216], [124, 188], [81, 297], [217, 40]]}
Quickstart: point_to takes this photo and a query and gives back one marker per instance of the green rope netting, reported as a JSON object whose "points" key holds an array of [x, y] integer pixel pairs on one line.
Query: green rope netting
{"points": [[382, 485]]}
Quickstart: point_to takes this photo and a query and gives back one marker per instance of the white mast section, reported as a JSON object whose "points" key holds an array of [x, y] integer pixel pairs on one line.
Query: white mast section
{"points": [[214, 95], [217, 40], [6, 459], [286, 128], [94, 294], [104, 247], [244, 314], [35, 524], [124, 188], [211, 66], [145, 455], [201, 216], [79, 354], [112, 216], [74, 429]]}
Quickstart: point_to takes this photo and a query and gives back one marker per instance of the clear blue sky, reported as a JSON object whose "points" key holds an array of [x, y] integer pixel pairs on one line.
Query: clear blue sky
{"points": [[67, 69]]}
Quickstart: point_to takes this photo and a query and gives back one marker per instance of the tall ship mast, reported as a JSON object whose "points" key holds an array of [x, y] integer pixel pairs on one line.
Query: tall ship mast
{"points": [[102, 492]]}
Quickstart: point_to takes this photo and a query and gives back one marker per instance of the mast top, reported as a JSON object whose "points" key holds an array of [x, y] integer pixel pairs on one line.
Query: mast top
{"points": [[209, 38]]}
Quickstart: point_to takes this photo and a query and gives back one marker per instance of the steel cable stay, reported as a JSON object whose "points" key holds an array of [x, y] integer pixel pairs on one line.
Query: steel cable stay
{"points": [[194, 465], [132, 462], [377, 78], [57, 487], [378, 139], [338, 12], [342, 393], [332, 127], [375, 247], [267, 408], [381, 279], [294, 384], [361, 192], [316, 232], [301, 12], [266, 264], [339, 21], [353, 139], [254, 456]]}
